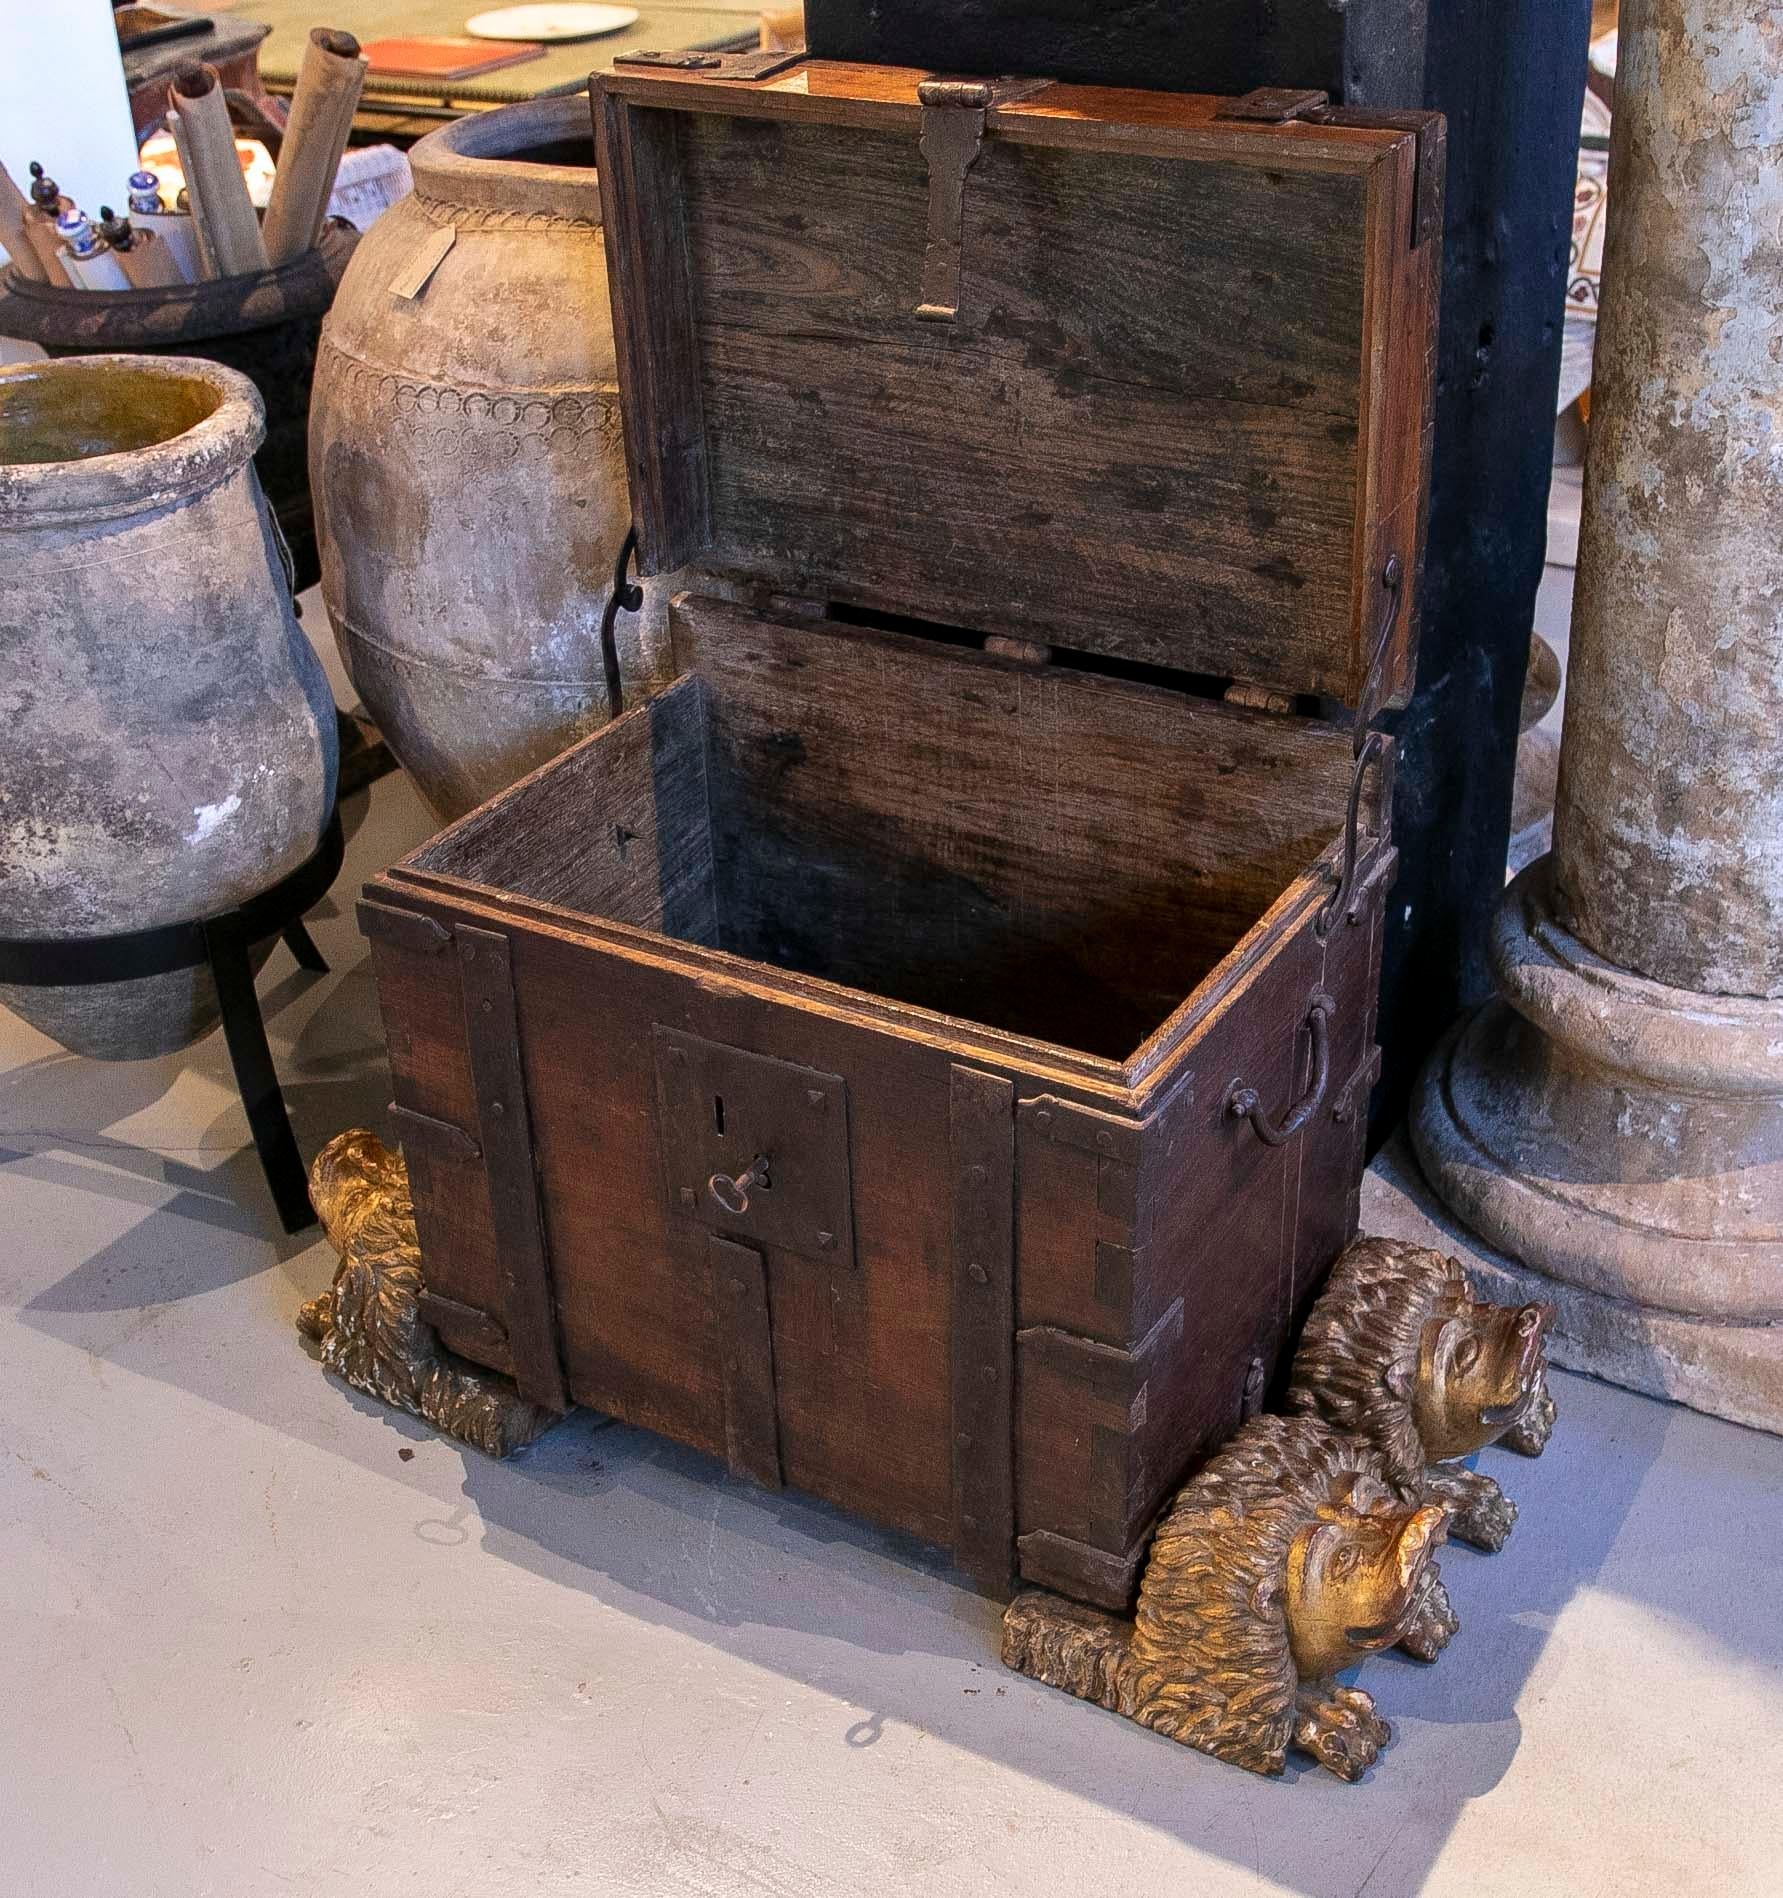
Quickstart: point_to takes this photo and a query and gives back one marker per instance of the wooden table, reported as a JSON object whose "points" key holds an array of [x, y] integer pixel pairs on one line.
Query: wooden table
{"points": [[564, 68]]}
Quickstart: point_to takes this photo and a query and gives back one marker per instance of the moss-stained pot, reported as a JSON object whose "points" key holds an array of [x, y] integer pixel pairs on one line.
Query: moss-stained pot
{"points": [[467, 461], [169, 739]]}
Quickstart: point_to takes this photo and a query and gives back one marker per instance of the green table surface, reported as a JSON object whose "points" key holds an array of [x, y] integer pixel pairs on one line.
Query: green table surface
{"points": [[662, 24]]}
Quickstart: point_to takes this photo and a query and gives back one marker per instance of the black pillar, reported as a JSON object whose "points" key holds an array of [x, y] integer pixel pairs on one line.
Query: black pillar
{"points": [[1511, 77]]}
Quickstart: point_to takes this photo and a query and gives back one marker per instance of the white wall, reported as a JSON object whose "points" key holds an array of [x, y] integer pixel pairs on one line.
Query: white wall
{"points": [[62, 98]]}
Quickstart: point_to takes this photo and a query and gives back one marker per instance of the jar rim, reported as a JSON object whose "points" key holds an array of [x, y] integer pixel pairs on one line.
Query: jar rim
{"points": [[181, 425]]}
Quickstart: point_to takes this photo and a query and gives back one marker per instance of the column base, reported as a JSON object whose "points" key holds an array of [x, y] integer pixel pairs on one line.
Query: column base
{"points": [[1619, 1146]]}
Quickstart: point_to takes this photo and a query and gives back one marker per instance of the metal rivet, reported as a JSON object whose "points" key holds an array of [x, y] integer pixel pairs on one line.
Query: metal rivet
{"points": [[1105, 1140], [816, 1096], [964, 1439], [498, 1108], [513, 1280], [977, 1175], [468, 950], [687, 1196], [968, 1522], [730, 1364], [487, 1006], [977, 1274], [677, 1055], [989, 1373], [1043, 1118], [737, 1286], [826, 1240]]}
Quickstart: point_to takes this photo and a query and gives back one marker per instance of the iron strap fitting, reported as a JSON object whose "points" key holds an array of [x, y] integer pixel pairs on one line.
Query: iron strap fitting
{"points": [[954, 114], [1367, 746]]}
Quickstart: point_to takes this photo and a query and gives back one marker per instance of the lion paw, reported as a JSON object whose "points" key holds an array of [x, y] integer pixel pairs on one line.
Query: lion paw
{"points": [[1339, 1727], [1433, 1626], [1480, 1512], [1529, 1435]]}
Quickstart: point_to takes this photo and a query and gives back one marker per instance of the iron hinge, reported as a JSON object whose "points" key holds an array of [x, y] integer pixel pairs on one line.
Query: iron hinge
{"points": [[1273, 105], [954, 114], [751, 66]]}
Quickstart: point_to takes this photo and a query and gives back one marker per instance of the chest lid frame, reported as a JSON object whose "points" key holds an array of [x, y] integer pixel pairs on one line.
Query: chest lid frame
{"points": [[1147, 376]]}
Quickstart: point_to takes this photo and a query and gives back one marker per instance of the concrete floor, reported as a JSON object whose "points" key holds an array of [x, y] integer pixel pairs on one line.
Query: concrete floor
{"points": [[262, 1636]]}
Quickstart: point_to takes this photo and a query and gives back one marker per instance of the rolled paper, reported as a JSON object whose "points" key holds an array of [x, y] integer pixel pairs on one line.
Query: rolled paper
{"points": [[228, 227], [100, 269], [86, 257], [175, 234], [206, 262], [15, 230], [322, 108], [145, 260]]}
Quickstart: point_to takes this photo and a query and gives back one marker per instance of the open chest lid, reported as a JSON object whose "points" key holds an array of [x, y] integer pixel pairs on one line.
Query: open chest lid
{"points": [[1144, 375]]}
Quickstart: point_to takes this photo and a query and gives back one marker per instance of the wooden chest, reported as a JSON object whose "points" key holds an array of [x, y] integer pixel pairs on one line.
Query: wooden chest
{"points": [[921, 1056]]}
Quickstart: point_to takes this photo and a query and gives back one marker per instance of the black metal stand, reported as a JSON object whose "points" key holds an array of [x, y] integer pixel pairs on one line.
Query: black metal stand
{"points": [[225, 942]]}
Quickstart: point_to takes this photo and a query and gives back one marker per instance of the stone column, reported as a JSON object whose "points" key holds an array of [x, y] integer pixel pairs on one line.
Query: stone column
{"points": [[1613, 1123]]}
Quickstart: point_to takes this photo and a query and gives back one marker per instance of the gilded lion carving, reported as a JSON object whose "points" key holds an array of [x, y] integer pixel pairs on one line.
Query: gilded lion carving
{"points": [[1285, 1561], [1398, 1352], [369, 1323]]}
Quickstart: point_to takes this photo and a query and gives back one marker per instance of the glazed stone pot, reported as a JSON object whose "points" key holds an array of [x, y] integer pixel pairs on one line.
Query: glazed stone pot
{"points": [[169, 737], [467, 461]]}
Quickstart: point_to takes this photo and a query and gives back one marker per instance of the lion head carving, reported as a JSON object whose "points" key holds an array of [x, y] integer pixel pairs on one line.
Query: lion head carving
{"points": [[1398, 1352], [1285, 1560]]}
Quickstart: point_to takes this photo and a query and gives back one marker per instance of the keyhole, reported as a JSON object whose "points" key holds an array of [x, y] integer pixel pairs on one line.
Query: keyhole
{"points": [[718, 1112]]}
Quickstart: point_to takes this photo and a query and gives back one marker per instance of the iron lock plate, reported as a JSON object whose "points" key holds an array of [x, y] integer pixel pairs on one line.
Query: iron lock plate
{"points": [[755, 1148]]}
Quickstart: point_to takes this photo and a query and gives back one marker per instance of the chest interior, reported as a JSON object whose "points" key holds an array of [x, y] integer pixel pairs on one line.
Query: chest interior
{"points": [[1050, 853]]}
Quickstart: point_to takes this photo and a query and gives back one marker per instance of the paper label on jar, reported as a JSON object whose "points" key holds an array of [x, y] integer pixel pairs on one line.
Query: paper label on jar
{"points": [[412, 279]]}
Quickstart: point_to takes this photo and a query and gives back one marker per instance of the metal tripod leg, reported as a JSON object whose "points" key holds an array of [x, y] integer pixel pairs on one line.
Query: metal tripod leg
{"points": [[255, 1076], [303, 946]]}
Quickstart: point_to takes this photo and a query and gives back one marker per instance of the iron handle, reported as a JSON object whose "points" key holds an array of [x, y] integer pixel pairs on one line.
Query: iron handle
{"points": [[732, 1190], [1242, 1103]]}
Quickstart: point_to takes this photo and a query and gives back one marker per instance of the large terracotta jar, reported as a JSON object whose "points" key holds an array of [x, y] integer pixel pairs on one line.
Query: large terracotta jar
{"points": [[167, 736], [467, 462]]}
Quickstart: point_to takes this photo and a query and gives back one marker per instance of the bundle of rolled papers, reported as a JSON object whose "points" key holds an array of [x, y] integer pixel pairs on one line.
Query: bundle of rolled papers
{"points": [[216, 231]]}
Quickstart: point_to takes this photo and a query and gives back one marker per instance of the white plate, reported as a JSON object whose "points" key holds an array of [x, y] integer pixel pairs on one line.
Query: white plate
{"points": [[550, 23]]}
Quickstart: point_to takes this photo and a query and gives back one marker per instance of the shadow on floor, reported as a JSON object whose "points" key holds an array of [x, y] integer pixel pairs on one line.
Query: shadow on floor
{"points": [[880, 1623]]}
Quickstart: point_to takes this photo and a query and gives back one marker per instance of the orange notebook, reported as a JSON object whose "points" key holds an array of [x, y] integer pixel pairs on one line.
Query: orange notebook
{"points": [[443, 58]]}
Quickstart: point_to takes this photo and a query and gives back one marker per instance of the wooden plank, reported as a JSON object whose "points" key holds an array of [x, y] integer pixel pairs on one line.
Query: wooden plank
{"points": [[422, 1005], [616, 826], [745, 1331], [653, 331], [493, 1033], [1060, 461], [1141, 488], [981, 1123], [1056, 854]]}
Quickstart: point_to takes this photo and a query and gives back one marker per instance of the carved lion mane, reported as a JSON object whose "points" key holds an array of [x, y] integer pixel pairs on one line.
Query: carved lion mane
{"points": [[1368, 1321], [369, 1321], [1209, 1662]]}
